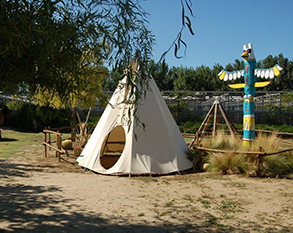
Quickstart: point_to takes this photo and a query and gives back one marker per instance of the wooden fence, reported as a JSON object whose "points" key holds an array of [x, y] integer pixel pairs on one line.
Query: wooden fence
{"points": [[48, 142], [260, 154]]}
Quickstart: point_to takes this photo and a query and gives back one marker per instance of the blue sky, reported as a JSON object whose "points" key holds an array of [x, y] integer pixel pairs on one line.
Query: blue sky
{"points": [[221, 28]]}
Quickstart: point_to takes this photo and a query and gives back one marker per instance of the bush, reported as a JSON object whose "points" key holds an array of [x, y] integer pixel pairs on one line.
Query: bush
{"points": [[29, 117], [190, 127]]}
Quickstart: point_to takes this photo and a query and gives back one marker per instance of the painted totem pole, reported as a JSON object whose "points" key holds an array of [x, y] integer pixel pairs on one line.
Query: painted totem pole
{"points": [[250, 74]]}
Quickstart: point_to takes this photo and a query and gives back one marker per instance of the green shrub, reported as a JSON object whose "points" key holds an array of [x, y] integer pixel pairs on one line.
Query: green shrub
{"points": [[29, 117]]}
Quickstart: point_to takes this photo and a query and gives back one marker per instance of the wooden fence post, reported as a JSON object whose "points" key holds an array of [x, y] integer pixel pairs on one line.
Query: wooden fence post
{"points": [[59, 145], [258, 163], [45, 144], [49, 127]]}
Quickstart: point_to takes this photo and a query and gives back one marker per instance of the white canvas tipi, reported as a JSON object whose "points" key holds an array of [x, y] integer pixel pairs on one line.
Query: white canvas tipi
{"points": [[117, 148]]}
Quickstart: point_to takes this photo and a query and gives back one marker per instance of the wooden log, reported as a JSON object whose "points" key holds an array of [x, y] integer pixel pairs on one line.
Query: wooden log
{"points": [[286, 141], [189, 134], [258, 163], [278, 152], [52, 132], [229, 151], [216, 120], [54, 148], [269, 131], [45, 145], [259, 154], [59, 145], [62, 128], [49, 128], [230, 125]]}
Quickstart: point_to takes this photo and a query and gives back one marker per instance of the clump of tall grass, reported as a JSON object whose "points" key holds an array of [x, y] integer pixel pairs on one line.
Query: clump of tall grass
{"points": [[230, 163], [222, 141], [266, 142], [276, 165]]}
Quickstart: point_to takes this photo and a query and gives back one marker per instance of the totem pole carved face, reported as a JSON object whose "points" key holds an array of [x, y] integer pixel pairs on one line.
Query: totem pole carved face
{"points": [[248, 53]]}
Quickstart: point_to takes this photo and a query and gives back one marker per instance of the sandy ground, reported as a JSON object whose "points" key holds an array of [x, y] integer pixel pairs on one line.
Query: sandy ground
{"points": [[43, 195]]}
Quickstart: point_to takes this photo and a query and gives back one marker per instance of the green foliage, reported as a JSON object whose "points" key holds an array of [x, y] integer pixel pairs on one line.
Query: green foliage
{"points": [[30, 117], [200, 79], [52, 50], [206, 79], [43, 42], [162, 75], [190, 127]]}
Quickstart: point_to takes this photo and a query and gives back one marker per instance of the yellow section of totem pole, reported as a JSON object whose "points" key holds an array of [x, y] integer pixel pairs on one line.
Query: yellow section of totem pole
{"points": [[262, 84], [276, 71], [247, 143], [236, 86], [242, 85], [248, 123]]}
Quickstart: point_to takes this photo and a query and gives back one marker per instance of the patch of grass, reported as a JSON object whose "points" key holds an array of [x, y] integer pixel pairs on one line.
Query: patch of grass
{"points": [[206, 203], [213, 220], [230, 206], [164, 213], [216, 176], [240, 185], [147, 179], [14, 143], [187, 197], [140, 214], [169, 204], [166, 182]]}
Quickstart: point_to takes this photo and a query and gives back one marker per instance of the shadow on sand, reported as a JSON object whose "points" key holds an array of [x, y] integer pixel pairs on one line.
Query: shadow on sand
{"points": [[44, 208]]}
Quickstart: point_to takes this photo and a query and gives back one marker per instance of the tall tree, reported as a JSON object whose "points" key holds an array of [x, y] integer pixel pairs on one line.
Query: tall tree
{"points": [[42, 41], [160, 72]]}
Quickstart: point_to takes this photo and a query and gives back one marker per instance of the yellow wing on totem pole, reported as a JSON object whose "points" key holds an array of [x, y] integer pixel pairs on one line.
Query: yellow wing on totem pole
{"points": [[257, 84], [261, 73]]}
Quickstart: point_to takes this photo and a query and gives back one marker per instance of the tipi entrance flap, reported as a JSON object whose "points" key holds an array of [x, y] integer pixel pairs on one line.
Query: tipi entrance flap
{"points": [[112, 147]]}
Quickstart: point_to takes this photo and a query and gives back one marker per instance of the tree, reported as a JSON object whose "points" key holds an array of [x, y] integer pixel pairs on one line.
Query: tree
{"points": [[161, 74], [82, 96], [42, 42]]}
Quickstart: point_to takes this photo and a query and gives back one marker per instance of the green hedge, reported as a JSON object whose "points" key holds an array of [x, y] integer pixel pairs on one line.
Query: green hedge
{"points": [[29, 117]]}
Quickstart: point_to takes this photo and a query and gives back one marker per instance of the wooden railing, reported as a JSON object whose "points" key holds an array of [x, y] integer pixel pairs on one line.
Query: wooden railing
{"points": [[48, 142]]}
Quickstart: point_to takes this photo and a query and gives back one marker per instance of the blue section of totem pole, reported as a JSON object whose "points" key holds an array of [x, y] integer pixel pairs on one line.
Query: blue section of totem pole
{"points": [[249, 135], [249, 78], [248, 102]]}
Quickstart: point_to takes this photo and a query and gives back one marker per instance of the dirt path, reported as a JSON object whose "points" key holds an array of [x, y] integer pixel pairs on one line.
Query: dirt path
{"points": [[59, 197]]}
